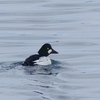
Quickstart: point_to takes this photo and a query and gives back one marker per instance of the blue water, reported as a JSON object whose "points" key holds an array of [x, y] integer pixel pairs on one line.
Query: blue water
{"points": [[72, 28]]}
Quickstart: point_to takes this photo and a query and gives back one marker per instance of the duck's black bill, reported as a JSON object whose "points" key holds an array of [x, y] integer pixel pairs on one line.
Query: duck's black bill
{"points": [[53, 51]]}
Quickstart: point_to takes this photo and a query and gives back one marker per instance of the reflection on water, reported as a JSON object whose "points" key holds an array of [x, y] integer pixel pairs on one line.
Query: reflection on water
{"points": [[72, 27]]}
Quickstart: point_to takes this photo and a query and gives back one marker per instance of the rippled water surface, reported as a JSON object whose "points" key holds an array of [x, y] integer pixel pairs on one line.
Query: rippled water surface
{"points": [[72, 27]]}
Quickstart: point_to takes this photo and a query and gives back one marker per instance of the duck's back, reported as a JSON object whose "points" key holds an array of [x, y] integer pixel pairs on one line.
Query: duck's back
{"points": [[30, 60]]}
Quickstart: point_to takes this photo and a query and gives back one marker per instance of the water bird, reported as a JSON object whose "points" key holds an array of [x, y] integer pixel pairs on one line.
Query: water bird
{"points": [[40, 58]]}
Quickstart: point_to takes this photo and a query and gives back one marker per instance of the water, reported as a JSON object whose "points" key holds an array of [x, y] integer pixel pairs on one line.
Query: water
{"points": [[72, 28]]}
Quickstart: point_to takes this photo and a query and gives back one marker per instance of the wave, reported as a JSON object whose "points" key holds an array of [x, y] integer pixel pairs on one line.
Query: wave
{"points": [[32, 70]]}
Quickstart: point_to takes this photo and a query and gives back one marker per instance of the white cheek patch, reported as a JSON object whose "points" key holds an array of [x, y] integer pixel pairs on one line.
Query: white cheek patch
{"points": [[49, 51]]}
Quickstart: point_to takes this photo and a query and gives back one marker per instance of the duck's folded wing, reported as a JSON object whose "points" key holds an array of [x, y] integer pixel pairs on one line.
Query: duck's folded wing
{"points": [[30, 60]]}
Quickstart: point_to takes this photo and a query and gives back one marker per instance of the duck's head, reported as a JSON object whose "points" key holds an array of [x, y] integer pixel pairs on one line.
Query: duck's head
{"points": [[46, 50]]}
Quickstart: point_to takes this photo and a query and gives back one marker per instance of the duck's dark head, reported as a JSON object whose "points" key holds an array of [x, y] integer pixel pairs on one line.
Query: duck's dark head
{"points": [[46, 50]]}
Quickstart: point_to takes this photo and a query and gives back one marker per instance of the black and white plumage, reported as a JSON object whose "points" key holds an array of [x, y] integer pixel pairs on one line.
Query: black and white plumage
{"points": [[40, 58]]}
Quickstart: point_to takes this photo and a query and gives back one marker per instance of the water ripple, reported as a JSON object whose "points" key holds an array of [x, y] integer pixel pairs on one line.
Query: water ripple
{"points": [[43, 70]]}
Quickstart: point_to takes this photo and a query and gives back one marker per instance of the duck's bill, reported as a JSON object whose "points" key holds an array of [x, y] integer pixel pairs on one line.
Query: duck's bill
{"points": [[53, 51]]}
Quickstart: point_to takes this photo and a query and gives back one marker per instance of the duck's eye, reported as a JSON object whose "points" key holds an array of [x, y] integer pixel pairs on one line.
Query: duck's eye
{"points": [[47, 48]]}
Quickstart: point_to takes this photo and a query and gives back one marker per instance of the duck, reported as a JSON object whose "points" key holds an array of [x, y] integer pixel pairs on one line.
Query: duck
{"points": [[42, 57]]}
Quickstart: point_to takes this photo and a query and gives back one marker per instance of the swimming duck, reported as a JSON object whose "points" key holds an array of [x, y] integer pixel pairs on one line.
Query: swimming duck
{"points": [[40, 58]]}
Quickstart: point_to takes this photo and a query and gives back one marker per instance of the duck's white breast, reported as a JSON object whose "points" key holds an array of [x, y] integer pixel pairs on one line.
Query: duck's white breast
{"points": [[43, 61]]}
